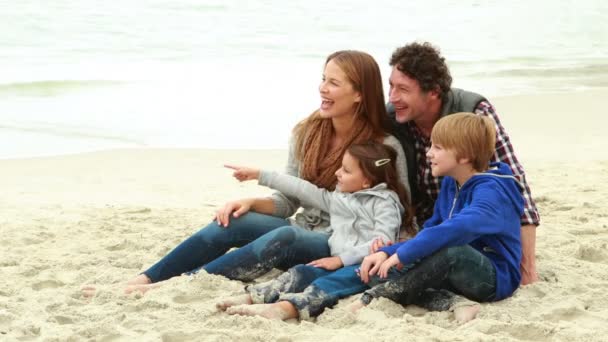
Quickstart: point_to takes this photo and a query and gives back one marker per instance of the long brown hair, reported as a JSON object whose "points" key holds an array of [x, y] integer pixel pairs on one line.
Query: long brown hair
{"points": [[370, 122], [378, 164]]}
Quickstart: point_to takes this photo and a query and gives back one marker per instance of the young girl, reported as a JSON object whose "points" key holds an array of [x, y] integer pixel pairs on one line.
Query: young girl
{"points": [[369, 202]]}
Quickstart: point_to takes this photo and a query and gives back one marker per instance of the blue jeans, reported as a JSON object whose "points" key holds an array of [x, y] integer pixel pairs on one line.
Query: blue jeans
{"points": [[282, 248], [462, 270], [213, 241], [310, 289]]}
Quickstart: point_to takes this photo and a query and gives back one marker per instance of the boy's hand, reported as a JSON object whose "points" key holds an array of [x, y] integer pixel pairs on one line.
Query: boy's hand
{"points": [[330, 264], [243, 173], [386, 265], [370, 265]]}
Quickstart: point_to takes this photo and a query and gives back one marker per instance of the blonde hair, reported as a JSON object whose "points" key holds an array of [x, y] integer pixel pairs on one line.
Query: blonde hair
{"points": [[370, 122], [469, 135]]}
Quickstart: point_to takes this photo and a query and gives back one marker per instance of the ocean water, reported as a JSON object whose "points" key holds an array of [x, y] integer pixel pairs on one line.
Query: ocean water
{"points": [[83, 75]]}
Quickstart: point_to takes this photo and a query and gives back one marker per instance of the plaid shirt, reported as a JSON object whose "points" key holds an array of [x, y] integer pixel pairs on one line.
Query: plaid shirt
{"points": [[504, 153]]}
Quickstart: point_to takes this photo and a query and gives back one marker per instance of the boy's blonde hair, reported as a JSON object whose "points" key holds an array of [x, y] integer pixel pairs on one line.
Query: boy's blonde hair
{"points": [[469, 135]]}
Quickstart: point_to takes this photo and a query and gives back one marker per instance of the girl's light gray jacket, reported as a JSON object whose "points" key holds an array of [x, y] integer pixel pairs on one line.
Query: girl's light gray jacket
{"points": [[356, 219], [314, 218]]}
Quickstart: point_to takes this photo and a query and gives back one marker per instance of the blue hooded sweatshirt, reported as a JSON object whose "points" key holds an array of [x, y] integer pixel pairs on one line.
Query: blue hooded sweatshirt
{"points": [[484, 213]]}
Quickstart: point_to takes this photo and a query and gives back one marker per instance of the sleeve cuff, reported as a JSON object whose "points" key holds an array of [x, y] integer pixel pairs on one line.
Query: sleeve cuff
{"points": [[390, 250]]}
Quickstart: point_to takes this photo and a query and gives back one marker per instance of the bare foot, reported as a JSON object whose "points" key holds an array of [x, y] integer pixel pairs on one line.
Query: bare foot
{"points": [[355, 306], [280, 310], [141, 288], [141, 279], [232, 301], [88, 291], [466, 313]]}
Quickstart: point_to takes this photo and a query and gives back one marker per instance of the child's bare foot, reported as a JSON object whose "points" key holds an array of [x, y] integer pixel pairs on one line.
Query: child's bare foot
{"points": [[280, 310], [225, 303], [355, 306], [88, 291], [141, 288], [466, 313], [141, 279]]}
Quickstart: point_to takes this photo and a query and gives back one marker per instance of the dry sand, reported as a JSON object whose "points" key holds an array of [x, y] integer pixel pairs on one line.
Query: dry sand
{"points": [[100, 218]]}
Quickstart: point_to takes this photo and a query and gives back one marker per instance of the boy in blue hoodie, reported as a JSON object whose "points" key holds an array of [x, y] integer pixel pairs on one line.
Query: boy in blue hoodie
{"points": [[471, 245]]}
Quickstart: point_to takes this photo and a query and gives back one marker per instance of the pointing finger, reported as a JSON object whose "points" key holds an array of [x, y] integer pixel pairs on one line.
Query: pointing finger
{"points": [[233, 167]]}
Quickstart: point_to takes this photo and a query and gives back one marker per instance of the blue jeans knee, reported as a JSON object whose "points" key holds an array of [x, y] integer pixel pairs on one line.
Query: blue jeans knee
{"points": [[212, 242]]}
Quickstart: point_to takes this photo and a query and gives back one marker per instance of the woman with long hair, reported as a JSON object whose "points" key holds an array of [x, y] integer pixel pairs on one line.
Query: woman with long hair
{"points": [[352, 110]]}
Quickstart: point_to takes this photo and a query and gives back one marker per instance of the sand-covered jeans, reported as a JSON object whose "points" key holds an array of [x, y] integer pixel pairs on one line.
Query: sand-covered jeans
{"points": [[462, 270], [265, 242], [310, 289]]}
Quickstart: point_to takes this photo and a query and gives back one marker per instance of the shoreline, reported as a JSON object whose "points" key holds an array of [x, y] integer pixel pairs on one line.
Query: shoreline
{"points": [[510, 108]]}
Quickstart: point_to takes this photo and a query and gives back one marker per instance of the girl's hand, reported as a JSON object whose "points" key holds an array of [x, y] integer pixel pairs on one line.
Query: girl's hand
{"points": [[386, 265], [377, 244], [370, 265], [243, 173], [239, 207], [330, 264]]}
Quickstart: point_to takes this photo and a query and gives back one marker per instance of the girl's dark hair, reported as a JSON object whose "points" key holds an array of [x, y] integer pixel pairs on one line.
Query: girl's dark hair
{"points": [[372, 158]]}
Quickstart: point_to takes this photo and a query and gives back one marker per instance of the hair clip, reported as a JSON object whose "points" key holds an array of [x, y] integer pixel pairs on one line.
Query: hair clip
{"points": [[381, 162]]}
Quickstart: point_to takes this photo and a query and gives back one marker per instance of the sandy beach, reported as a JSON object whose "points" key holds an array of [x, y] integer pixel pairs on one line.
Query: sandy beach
{"points": [[100, 218]]}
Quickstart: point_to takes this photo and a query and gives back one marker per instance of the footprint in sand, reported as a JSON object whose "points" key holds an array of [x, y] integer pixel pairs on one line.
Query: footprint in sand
{"points": [[118, 246], [536, 291], [111, 337], [543, 199], [548, 276], [151, 305], [592, 253], [554, 204], [62, 320], [6, 318], [32, 240], [47, 284], [529, 331], [8, 263], [186, 299], [565, 312], [175, 336], [33, 270], [52, 307], [586, 232]]}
